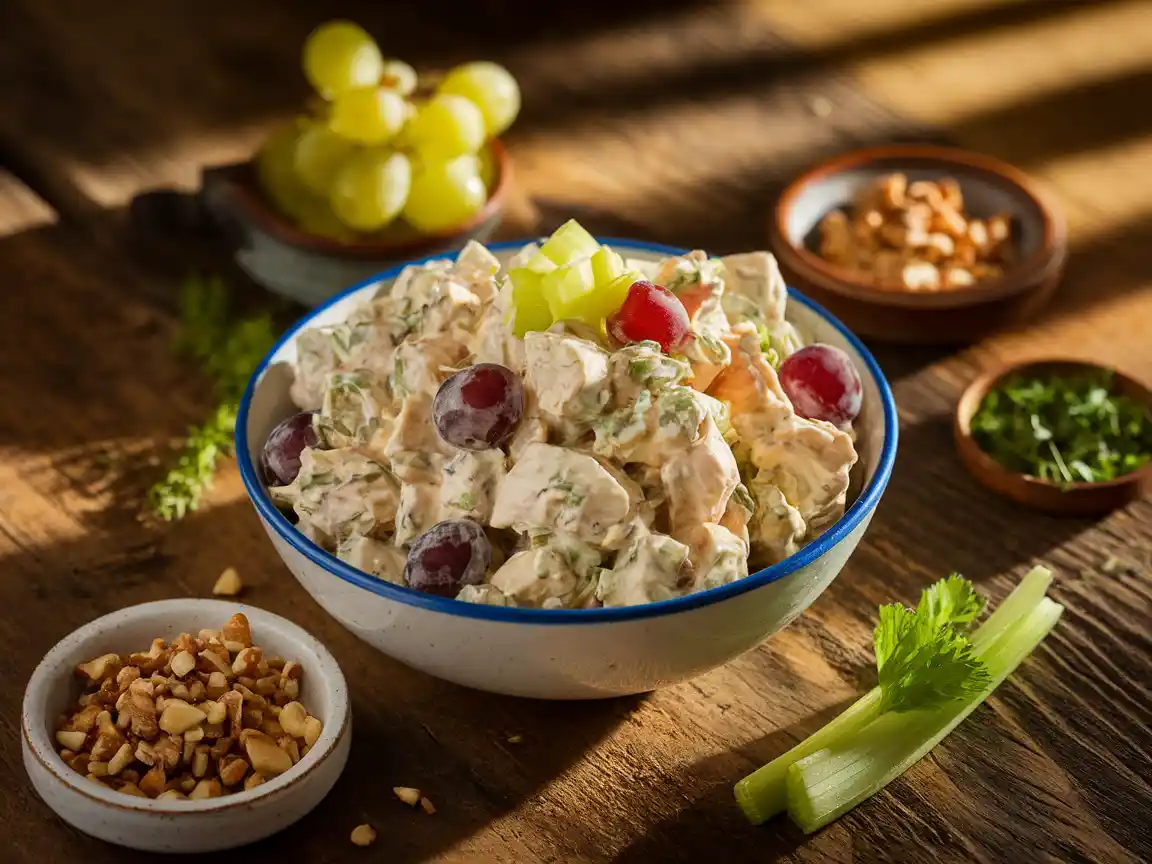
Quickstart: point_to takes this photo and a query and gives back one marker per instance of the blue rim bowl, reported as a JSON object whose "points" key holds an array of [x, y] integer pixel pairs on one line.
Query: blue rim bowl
{"points": [[863, 505]]}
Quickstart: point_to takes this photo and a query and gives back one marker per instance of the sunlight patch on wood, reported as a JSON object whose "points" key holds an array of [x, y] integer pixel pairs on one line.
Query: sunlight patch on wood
{"points": [[808, 23], [1104, 189], [949, 81]]}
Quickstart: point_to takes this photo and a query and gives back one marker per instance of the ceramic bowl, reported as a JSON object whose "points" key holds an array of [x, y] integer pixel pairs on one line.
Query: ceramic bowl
{"points": [[309, 268], [569, 653], [956, 316], [183, 826], [1079, 499]]}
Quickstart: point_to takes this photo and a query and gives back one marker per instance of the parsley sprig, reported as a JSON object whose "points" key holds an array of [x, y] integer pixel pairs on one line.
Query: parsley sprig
{"points": [[1064, 429], [228, 351]]}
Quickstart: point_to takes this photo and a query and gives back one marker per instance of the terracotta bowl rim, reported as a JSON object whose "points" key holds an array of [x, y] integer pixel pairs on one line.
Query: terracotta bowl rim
{"points": [[1020, 278], [254, 206], [978, 461]]}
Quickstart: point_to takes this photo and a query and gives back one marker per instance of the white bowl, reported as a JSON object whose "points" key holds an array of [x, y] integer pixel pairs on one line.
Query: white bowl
{"points": [[183, 826], [569, 653]]}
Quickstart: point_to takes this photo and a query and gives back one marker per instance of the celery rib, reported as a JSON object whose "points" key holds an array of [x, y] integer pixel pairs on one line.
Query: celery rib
{"points": [[762, 793], [823, 786]]}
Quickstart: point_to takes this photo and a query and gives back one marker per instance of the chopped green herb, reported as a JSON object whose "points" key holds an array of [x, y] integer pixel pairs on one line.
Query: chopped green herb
{"points": [[766, 348], [1064, 429], [466, 501], [229, 352]]}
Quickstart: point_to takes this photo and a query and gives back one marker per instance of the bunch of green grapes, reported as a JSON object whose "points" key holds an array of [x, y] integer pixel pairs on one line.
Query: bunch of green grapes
{"points": [[380, 147]]}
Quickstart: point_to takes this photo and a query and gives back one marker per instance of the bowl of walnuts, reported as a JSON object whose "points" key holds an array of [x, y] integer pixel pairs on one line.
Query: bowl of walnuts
{"points": [[185, 725], [920, 244]]}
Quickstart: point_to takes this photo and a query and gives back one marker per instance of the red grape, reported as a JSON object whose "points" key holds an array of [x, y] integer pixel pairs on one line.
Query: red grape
{"points": [[650, 312], [280, 458], [479, 407], [448, 556], [822, 384]]}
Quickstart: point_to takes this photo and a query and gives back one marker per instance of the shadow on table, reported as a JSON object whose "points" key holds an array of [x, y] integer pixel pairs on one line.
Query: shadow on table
{"points": [[935, 518], [712, 820]]}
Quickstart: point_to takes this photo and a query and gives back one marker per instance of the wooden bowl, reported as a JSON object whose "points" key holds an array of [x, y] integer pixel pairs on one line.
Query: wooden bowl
{"points": [[1079, 499], [956, 316], [309, 267]]}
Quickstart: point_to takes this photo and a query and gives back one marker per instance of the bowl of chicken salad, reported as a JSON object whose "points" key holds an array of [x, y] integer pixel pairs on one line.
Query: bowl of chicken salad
{"points": [[570, 468]]}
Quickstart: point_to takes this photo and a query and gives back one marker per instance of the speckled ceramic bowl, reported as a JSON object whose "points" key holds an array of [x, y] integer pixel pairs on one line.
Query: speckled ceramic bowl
{"points": [[183, 826], [570, 653], [310, 268]]}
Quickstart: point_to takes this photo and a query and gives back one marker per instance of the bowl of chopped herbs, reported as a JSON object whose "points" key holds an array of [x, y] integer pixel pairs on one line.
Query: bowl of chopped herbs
{"points": [[1064, 436]]}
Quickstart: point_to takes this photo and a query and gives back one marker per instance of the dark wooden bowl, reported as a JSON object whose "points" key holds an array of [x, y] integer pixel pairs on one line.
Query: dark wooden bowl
{"points": [[1079, 499], [956, 316], [311, 267]]}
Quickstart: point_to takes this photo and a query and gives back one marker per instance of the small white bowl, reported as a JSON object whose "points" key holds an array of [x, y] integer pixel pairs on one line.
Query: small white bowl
{"points": [[183, 826], [569, 653]]}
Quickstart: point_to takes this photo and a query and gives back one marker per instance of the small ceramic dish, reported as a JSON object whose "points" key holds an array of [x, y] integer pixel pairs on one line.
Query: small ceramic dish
{"points": [[954, 316], [309, 267], [1079, 499], [183, 825], [568, 653]]}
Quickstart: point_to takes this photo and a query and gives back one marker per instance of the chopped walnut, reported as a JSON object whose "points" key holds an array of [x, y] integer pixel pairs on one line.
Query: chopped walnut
{"points": [[364, 835], [897, 232], [407, 794], [168, 723], [229, 584]]}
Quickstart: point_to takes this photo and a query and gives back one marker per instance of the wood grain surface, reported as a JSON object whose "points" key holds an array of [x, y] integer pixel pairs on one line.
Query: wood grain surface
{"points": [[669, 121]]}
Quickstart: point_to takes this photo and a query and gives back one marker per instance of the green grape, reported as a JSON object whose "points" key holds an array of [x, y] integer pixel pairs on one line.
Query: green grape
{"points": [[316, 217], [276, 171], [445, 194], [319, 154], [340, 56], [371, 188], [370, 115], [446, 126], [491, 87], [487, 168], [398, 76]]}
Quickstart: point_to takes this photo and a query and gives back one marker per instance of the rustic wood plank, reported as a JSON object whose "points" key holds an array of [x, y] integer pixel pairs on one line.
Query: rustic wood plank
{"points": [[1057, 766]]}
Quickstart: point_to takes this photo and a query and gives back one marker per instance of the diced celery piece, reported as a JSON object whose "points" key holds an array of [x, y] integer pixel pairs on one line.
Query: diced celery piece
{"points": [[531, 309], [604, 300], [569, 243], [567, 288], [606, 267]]}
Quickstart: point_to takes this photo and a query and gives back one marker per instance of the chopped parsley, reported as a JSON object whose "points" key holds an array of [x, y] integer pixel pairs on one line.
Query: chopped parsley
{"points": [[767, 348], [1064, 429]]}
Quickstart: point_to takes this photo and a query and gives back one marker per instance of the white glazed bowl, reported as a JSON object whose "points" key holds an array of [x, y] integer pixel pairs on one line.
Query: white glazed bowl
{"points": [[569, 653], [183, 826]]}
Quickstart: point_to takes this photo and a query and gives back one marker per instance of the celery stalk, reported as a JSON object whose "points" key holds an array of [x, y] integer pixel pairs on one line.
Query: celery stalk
{"points": [[762, 794], [825, 785], [569, 243], [1023, 599]]}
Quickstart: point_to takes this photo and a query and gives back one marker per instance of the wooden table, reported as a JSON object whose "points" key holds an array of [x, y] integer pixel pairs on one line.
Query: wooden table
{"points": [[669, 121]]}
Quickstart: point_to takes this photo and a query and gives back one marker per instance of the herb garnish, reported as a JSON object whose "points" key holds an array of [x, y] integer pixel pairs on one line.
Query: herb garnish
{"points": [[1064, 429], [228, 351]]}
